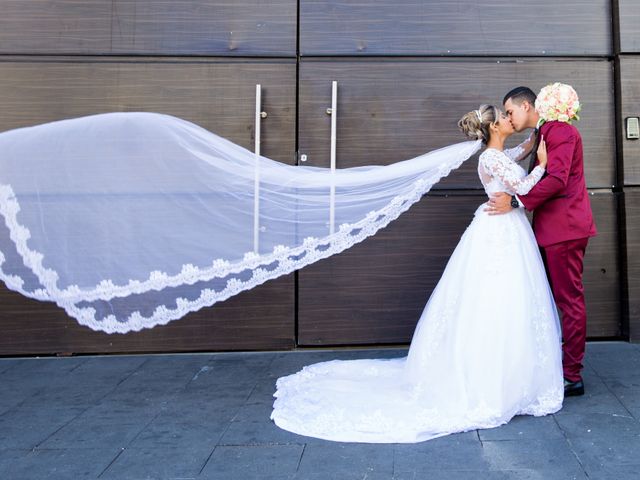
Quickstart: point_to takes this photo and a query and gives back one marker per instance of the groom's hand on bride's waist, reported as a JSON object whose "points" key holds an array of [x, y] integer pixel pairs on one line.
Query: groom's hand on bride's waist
{"points": [[499, 203]]}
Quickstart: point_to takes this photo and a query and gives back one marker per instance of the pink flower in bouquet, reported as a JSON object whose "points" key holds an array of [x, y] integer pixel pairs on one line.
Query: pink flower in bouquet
{"points": [[558, 101]]}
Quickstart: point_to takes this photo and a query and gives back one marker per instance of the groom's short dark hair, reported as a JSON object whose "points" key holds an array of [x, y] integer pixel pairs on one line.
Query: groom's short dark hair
{"points": [[520, 94]]}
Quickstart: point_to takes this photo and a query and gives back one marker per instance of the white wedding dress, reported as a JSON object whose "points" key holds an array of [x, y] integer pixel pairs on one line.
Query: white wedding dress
{"points": [[487, 346]]}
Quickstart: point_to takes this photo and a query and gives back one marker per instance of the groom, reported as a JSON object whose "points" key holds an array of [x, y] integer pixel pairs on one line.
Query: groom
{"points": [[562, 222]]}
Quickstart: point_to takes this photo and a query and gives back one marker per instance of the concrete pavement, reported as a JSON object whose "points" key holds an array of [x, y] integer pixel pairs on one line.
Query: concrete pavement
{"points": [[206, 416]]}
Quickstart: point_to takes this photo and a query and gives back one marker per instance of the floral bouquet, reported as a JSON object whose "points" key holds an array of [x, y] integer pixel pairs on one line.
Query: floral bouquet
{"points": [[558, 101]]}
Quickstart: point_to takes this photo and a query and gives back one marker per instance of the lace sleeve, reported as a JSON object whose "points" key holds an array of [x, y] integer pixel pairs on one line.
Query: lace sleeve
{"points": [[498, 165]]}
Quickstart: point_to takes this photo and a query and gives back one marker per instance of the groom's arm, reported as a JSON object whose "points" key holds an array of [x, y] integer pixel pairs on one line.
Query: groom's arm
{"points": [[561, 144]]}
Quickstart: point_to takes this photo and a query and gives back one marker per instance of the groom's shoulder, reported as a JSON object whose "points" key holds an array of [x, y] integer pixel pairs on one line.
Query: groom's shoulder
{"points": [[559, 129]]}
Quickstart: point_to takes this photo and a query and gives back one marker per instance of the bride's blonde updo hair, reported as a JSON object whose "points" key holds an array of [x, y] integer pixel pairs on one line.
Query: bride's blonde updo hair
{"points": [[475, 124]]}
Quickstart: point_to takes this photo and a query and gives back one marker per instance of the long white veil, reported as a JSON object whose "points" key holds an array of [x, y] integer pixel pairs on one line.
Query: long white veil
{"points": [[130, 220]]}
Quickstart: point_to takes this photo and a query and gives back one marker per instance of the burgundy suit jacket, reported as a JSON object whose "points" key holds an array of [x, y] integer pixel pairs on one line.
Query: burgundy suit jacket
{"points": [[560, 202]]}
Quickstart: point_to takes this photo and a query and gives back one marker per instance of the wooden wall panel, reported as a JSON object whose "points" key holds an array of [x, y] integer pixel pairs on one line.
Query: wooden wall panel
{"points": [[427, 27], [217, 95], [260, 319], [220, 96], [630, 103], [55, 26], [602, 269], [391, 110], [629, 16], [632, 257], [375, 292], [149, 27]]}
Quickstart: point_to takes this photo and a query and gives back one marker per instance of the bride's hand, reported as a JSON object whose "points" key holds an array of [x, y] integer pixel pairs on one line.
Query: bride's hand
{"points": [[542, 153]]}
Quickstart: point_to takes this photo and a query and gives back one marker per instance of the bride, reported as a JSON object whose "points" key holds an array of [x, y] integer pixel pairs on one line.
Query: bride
{"points": [[486, 348]]}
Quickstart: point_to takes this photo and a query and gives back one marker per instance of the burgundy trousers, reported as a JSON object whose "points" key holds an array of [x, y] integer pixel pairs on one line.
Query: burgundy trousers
{"points": [[563, 262]]}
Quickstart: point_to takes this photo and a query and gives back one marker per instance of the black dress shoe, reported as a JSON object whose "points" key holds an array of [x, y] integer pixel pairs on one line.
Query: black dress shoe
{"points": [[573, 389]]}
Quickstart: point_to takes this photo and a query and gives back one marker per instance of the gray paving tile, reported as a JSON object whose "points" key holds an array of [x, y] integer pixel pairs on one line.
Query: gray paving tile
{"points": [[444, 453], [98, 427], [83, 385], [28, 428], [182, 405], [183, 429], [248, 462], [107, 369], [634, 412], [126, 403], [364, 353], [343, 460], [150, 390], [254, 358], [67, 395], [224, 370], [155, 379], [262, 432], [9, 457], [524, 427], [55, 366], [598, 425], [158, 463], [94, 435], [614, 360], [602, 441], [626, 390], [175, 367], [33, 375], [630, 382], [342, 475], [215, 406], [11, 398], [253, 412], [8, 363], [552, 455], [55, 464], [615, 472], [492, 475], [262, 392], [598, 398], [215, 396], [610, 348], [211, 380]]}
